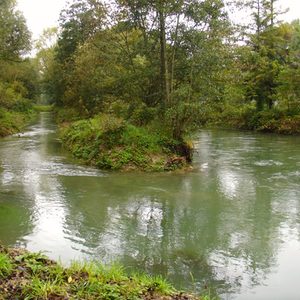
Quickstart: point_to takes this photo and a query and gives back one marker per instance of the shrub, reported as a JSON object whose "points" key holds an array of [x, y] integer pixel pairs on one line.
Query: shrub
{"points": [[111, 143]]}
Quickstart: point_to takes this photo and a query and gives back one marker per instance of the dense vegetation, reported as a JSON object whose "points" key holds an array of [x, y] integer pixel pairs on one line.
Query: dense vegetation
{"points": [[25, 275], [139, 63], [18, 76], [172, 66], [112, 143], [264, 93], [132, 79], [163, 68]]}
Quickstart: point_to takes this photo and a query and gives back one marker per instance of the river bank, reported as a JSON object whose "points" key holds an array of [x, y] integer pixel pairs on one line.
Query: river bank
{"points": [[273, 121], [25, 275], [13, 122], [112, 143]]}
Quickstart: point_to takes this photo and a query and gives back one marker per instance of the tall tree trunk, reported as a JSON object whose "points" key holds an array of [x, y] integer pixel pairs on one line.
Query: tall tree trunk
{"points": [[173, 58], [165, 88], [272, 13], [258, 24]]}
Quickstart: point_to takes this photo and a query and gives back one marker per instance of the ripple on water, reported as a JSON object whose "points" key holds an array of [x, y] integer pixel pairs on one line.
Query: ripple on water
{"points": [[63, 169], [265, 163], [34, 132]]}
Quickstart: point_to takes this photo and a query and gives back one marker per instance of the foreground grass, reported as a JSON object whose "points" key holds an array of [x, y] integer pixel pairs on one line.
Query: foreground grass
{"points": [[114, 144], [27, 276]]}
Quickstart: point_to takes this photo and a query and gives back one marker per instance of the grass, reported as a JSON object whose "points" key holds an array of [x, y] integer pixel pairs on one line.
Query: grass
{"points": [[111, 143], [43, 108], [30, 276], [5, 265], [12, 121]]}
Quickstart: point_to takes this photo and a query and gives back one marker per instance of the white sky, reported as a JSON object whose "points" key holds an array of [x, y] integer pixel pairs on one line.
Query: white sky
{"points": [[41, 14]]}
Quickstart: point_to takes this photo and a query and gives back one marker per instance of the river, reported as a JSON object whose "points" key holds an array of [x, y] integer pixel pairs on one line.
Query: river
{"points": [[230, 225]]}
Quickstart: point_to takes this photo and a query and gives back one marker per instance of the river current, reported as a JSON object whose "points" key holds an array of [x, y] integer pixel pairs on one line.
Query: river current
{"points": [[231, 225]]}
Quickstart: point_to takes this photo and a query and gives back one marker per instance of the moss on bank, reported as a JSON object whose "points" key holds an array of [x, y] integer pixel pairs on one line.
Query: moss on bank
{"points": [[25, 275], [114, 144]]}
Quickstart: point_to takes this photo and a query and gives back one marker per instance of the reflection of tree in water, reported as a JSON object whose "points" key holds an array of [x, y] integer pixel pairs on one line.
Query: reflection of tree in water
{"points": [[248, 227], [15, 218], [136, 221], [219, 225]]}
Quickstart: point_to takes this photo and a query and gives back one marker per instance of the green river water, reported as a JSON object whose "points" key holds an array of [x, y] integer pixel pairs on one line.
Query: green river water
{"points": [[232, 224]]}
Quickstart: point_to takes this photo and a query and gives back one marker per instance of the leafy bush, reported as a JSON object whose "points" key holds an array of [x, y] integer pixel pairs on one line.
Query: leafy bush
{"points": [[272, 120], [12, 122], [111, 143], [140, 114], [66, 115]]}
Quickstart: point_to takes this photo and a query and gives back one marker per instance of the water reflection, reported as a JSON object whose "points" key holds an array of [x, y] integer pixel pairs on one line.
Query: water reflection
{"points": [[231, 224]]}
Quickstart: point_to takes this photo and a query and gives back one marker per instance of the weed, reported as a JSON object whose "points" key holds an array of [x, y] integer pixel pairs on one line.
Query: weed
{"points": [[39, 289], [6, 265]]}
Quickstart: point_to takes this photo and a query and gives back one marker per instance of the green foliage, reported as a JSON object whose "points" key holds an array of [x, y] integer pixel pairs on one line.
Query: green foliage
{"points": [[171, 65], [6, 265], [18, 76], [140, 114], [43, 108], [12, 122], [66, 115], [41, 289], [247, 117], [136, 69], [32, 276], [111, 143], [14, 35], [15, 109]]}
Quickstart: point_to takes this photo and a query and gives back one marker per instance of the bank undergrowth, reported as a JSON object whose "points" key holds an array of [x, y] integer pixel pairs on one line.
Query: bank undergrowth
{"points": [[25, 275], [274, 120], [14, 121], [112, 143]]}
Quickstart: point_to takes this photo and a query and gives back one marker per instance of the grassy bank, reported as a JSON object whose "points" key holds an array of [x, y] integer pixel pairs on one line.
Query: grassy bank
{"points": [[114, 144], [12, 121], [43, 108], [25, 275], [248, 118]]}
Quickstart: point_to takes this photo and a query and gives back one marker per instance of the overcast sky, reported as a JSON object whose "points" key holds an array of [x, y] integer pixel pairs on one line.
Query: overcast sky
{"points": [[41, 14]]}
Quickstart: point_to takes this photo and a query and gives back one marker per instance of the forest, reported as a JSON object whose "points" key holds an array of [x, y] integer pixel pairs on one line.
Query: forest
{"points": [[195, 104], [132, 80]]}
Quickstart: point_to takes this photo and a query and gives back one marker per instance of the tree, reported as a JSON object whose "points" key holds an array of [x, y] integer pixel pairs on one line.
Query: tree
{"points": [[14, 35], [288, 81], [265, 58], [45, 63], [79, 22], [167, 56], [18, 76], [190, 37]]}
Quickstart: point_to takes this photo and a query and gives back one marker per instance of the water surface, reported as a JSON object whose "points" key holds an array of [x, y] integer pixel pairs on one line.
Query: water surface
{"points": [[232, 224]]}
